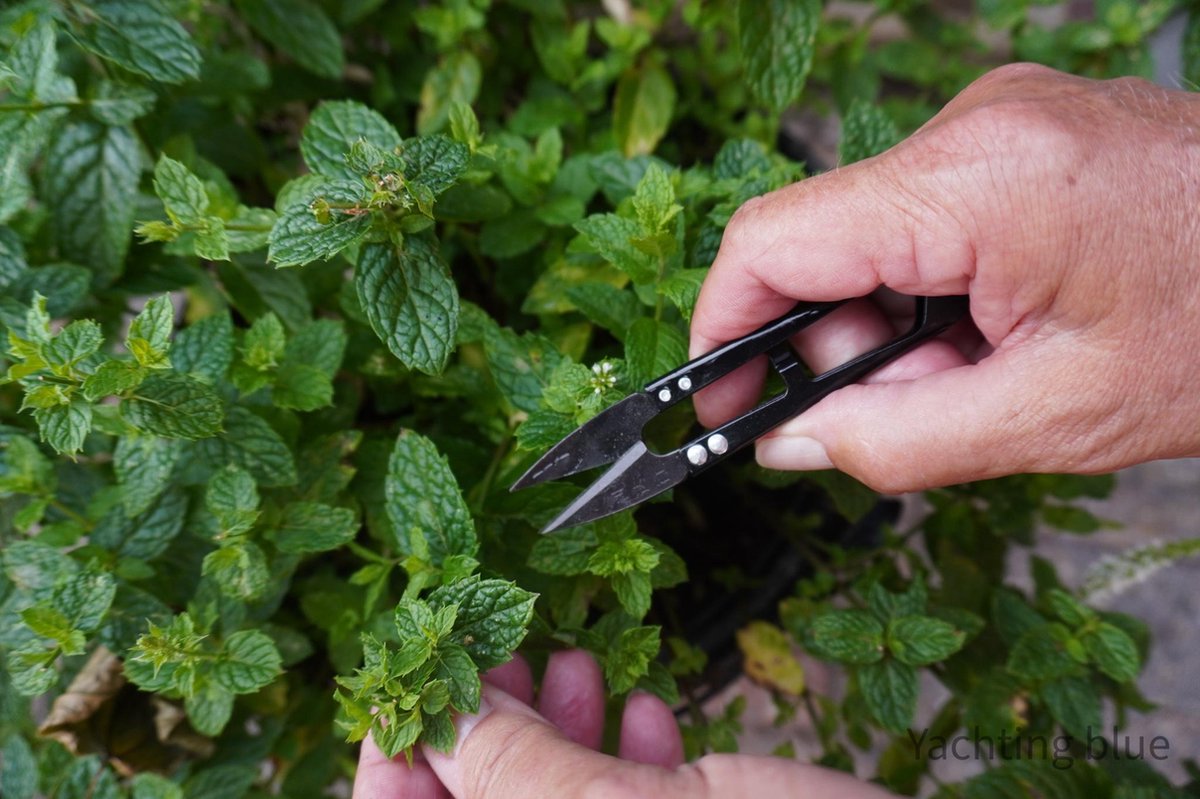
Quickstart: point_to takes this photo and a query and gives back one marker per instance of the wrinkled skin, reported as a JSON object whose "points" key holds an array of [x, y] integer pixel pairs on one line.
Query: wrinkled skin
{"points": [[1065, 208]]}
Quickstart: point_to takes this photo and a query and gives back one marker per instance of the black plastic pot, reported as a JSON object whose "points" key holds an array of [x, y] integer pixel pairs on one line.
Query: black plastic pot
{"points": [[714, 528]]}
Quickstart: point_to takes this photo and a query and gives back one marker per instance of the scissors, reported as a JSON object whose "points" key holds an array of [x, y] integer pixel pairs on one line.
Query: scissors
{"points": [[638, 473]]}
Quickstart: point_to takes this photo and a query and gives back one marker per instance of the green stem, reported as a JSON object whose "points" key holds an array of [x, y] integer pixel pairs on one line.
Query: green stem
{"points": [[84, 522], [484, 487], [36, 107]]}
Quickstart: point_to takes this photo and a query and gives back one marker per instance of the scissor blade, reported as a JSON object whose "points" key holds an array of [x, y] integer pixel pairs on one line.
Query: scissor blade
{"points": [[603, 439], [638, 475]]}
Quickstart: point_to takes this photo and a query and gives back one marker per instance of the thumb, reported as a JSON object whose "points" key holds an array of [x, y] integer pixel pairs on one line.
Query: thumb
{"points": [[966, 423], [508, 751]]}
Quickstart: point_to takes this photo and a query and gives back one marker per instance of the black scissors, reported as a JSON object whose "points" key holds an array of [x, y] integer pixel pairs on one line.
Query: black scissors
{"points": [[637, 474]]}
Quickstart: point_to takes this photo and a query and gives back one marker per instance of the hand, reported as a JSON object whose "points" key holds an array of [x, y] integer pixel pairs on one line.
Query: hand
{"points": [[1066, 209], [508, 751]]}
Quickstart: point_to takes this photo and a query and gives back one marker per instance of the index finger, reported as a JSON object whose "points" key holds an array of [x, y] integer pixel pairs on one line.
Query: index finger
{"points": [[831, 237]]}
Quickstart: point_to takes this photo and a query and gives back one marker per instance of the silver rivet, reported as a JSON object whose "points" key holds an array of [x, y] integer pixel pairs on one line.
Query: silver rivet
{"points": [[664, 395], [685, 384], [697, 454], [718, 444]]}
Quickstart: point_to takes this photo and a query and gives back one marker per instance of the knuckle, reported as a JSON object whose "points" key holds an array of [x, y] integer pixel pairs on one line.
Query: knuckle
{"points": [[1009, 76]]}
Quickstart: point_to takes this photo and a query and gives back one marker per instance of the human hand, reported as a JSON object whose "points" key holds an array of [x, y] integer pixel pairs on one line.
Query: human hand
{"points": [[1065, 208], [509, 751]]}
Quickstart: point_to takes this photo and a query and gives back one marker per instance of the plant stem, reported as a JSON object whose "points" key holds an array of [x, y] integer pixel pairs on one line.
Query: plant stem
{"points": [[83, 521]]}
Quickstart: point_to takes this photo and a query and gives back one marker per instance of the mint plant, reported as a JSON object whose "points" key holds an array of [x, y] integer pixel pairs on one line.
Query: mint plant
{"points": [[293, 290]]}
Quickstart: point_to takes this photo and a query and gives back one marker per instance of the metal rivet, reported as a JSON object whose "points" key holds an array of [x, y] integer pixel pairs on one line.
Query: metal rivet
{"points": [[718, 444], [697, 454], [664, 395], [685, 384]]}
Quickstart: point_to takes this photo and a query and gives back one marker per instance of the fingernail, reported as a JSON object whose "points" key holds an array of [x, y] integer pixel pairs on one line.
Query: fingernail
{"points": [[798, 453], [465, 722]]}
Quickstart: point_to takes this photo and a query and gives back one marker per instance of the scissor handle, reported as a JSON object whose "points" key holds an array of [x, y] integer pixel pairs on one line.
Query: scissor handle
{"points": [[933, 315]]}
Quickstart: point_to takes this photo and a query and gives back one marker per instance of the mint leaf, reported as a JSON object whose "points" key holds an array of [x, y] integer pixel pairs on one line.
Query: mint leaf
{"points": [[492, 617], [90, 186], [1066, 607], [320, 223], [75, 342], [141, 36], [867, 131], [1042, 653], [314, 527], [652, 348], [921, 640], [890, 690], [434, 161], [239, 569], [64, 427], [299, 28], [612, 236], [174, 406], [455, 80], [628, 659], [565, 553], [204, 348], [147, 535], [1113, 651], [209, 709], [1074, 704], [411, 302], [423, 498], [521, 365], [777, 41], [116, 103], [682, 288], [233, 498], [606, 305], [149, 337], [320, 344], [143, 465], [847, 636], [642, 109], [455, 666], [333, 127], [301, 387], [248, 662], [252, 444], [181, 192]]}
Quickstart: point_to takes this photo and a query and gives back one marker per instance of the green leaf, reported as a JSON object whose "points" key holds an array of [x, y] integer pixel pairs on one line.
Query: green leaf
{"points": [[411, 301], [492, 617], [90, 186], [522, 366], [148, 785], [181, 192], [19, 777], [12, 257], [147, 535], [642, 109], [921, 640], [514, 234], [652, 348], [49, 622], [454, 80], [423, 498], [313, 527], [1074, 704], [628, 659], [319, 223], [299, 28], [1041, 653], [606, 305], [888, 606], [435, 161], [65, 427], [1113, 651], [248, 662], [116, 103], [333, 127], [565, 553], [320, 344], [209, 709], [149, 337], [76, 341], [239, 569], [1067, 608], [867, 131], [612, 236], [143, 465], [890, 690], [232, 497], [252, 444], [847, 636], [777, 39], [204, 348], [172, 405], [112, 378], [301, 387], [454, 665], [633, 592], [682, 288], [141, 36]]}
